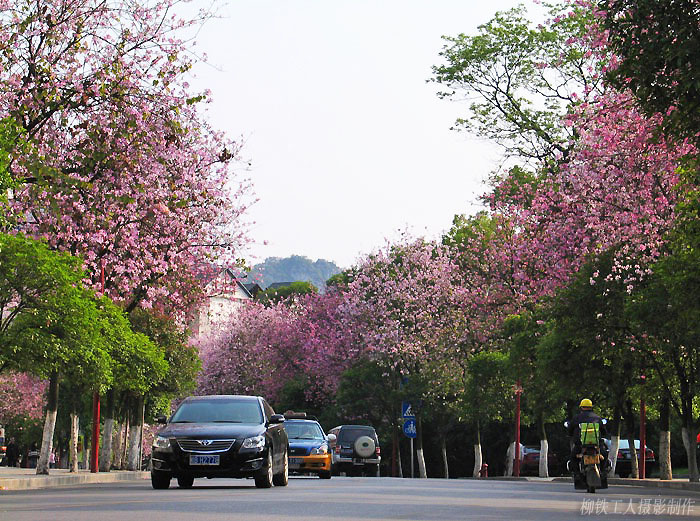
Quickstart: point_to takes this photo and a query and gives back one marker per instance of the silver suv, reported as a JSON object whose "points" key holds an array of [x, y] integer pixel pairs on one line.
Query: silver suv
{"points": [[355, 450]]}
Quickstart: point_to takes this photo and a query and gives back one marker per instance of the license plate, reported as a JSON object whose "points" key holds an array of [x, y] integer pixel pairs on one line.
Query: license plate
{"points": [[590, 459], [359, 462], [296, 461], [204, 459]]}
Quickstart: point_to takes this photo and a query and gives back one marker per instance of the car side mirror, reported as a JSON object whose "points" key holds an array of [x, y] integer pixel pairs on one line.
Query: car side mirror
{"points": [[161, 419], [276, 418], [331, 438]]}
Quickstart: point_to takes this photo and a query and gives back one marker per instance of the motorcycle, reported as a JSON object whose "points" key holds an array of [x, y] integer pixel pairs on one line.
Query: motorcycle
{"points": [[588, 469]]}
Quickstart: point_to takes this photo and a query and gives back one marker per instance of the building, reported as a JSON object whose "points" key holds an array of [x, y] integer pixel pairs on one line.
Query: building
{"points": [[226, 292]]}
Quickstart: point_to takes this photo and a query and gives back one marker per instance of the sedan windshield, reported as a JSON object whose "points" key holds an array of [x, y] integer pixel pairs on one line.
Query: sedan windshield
{"points": [[304, 431], [218, 411]]}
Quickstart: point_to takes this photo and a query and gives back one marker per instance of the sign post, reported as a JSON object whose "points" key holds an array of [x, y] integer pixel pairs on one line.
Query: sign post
{"points": [[409, 426]]}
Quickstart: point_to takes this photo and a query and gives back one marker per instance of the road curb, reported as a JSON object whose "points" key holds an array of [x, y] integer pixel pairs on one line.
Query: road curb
{"points": [[67, 480], [648, 483]]}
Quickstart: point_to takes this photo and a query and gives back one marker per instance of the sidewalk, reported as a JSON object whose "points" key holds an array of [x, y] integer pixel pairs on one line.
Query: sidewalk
{"points": [[12, 478], [678, 484]]}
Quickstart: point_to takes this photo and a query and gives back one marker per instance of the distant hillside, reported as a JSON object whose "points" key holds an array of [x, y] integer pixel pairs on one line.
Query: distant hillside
{"points": [[294, 268]]}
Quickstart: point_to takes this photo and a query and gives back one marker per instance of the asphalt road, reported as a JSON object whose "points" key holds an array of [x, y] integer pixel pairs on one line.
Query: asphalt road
{"points": [[346, 499]]}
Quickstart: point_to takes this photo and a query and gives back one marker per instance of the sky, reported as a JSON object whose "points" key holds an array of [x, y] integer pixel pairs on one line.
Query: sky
{"points": [[349, 145]]}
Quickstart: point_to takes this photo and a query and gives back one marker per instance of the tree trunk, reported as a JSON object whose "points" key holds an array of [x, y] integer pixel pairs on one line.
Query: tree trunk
{"points": [[510, 457], [629, 423], [478, 457], [419, 450], [665, 470], [688, 433], [105, 461], [125, 437], [42, 466], [135, 428], [614, 441], [117, 447], [444, 457], [74, 429], [544, 450], [398, 459]]}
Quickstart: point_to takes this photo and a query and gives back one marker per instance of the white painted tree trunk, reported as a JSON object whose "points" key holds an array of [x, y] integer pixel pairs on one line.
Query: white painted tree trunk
{"points": [[686, 442], [510, 456], [42, 466], [690, 454], [134, 445], [477, 460], [105, 462], [73, 446], [444, 459], [421, 464], [544, 451], [614, 446], [665, 470]]}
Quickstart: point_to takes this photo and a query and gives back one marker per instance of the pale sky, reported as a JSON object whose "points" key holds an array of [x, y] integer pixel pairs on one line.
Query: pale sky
{"points": [[349, 144]]}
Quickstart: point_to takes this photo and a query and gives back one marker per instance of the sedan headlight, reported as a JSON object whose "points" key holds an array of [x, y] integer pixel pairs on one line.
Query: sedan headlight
{"points": [[323, 449], [162, 443], [256, 442]]}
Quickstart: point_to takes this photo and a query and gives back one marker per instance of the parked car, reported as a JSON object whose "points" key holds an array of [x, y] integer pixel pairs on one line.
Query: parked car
{"points": [[355, 450], [309, 452], [531, 462], [624, 459], [221, 437]]}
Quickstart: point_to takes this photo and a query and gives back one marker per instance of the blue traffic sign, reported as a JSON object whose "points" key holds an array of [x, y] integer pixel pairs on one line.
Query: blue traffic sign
{"points": [[407, 410], [409, 428]]}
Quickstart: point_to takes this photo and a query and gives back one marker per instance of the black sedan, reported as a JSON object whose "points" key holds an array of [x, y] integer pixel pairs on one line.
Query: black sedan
{"points": [[221, 437]]}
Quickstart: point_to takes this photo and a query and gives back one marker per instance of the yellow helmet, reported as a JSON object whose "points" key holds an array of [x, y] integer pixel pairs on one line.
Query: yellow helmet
{"points": [[586, 403]]}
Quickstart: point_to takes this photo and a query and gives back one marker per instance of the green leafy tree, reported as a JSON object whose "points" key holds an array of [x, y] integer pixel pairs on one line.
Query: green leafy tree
{"points": [[521, 79], [284, 293]]}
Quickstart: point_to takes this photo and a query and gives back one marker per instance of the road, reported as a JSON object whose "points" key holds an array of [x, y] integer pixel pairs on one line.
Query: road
{"points": [[346, 499]]}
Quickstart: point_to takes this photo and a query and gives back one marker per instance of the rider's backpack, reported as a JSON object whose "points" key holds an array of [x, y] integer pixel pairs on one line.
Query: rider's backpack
{"points": [[590, 433]]}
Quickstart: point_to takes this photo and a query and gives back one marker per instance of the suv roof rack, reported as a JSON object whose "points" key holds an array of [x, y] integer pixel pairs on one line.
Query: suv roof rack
{"points": [[292, 415]]}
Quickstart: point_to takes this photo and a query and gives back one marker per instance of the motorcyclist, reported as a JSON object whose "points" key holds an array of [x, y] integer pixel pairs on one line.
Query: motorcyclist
{"points": [[574, 430]]}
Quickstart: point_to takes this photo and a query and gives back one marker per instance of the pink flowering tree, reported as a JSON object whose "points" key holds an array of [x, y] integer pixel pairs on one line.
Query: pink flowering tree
{"points": [[120, 167]]}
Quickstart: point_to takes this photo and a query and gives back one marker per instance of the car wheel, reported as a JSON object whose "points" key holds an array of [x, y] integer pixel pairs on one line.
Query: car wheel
{"points": [[263, 479], [160, 480], [324, 474], [185, 481], [281, 479]]}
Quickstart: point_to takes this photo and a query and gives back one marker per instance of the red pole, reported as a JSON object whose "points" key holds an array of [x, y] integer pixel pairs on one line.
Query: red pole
{"points": [[643, 439], [96, 402], [516, 468]]}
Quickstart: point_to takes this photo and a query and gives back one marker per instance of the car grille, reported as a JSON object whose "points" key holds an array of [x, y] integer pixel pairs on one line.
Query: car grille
{"points": [[298, 451], [189, 445]]}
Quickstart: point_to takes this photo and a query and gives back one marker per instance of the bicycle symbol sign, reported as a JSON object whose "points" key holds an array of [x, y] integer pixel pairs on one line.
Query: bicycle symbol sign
{"points": [[409, 428]]}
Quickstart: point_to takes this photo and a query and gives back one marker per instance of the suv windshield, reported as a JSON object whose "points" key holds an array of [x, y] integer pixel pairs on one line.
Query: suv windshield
{"points": [[218, 411], [350, 434], [304, 431]]}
